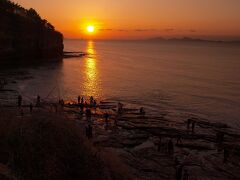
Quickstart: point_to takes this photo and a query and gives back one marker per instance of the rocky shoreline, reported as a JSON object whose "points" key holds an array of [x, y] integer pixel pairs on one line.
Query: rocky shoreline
{"points": [[143, 142]]}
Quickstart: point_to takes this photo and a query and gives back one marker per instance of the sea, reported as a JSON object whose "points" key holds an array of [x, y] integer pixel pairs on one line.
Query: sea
{"points": [[179, 80]]}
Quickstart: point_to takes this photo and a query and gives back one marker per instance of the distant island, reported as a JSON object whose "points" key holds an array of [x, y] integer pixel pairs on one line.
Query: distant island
{"points": [[25, 36]]}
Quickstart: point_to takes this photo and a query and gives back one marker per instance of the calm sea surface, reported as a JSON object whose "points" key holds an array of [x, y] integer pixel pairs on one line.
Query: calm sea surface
{"points": [[180, 79]]}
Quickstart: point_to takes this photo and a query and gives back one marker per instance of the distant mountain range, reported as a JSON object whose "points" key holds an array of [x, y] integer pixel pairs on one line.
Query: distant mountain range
{"points": [[188, 39]]}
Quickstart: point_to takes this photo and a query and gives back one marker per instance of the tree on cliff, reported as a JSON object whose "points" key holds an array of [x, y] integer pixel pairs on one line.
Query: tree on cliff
{"points": [[33, 14], [7, 5]]}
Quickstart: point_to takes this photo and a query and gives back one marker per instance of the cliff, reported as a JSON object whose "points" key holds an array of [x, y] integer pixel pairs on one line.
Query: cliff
{"points": [[25, 36]]}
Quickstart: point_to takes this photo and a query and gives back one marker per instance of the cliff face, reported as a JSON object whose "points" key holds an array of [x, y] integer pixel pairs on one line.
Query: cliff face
{"points": [[24, 36]]}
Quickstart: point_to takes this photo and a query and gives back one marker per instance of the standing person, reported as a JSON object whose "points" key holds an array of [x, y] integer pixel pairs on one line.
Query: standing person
{"points": [[116, 120], [179, 172], [88, 115], [61, 103], [87, 131], [91, 100], [22, 112], [95, 103], [38, 101], [120, 107], [79, 99], [1, 84], [55, 107], [86, 104], [179, 139], [225, 154], [220, 137], [82, 100], [19, 101], [188, 124], [90, 131], [185, 175], [170, 147], [106, 116], [81, 108], [142, 112], [159, 144], [31, 108], [193, 126]]}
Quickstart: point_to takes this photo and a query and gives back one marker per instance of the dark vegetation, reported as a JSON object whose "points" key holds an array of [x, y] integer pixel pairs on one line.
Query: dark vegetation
{"points": [[47, 146], [24, 34]]}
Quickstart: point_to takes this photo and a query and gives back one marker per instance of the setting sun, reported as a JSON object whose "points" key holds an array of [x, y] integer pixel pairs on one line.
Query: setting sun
{"points": [[90, 29]]}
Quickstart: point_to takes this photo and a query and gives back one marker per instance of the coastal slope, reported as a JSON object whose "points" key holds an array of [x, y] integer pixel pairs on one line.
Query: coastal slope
{"points": [[25, 36]]}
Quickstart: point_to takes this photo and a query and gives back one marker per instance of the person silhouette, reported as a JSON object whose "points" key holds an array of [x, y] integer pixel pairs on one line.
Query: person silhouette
{"points": [[38, 100], [142, 112], [179, 139], [170, 147], [19, 101], [88, 115], [31, 108], [179, 170], [91, 100], [82, 100], [106, 116], [193, 127], [226, 154], [188, 124], [185, 175], [159, 144], [90, 131], [120, 107]]}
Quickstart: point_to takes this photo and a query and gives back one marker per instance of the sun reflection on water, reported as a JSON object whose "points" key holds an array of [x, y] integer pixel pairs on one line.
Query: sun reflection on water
{"points": [[91, 86]]}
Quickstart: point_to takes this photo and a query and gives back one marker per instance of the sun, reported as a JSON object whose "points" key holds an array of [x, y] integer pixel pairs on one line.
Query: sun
{"points": [[90, 29]]}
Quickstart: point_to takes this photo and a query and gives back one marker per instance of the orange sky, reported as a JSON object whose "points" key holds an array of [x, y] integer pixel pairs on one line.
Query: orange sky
{"points": [[134, 19]]}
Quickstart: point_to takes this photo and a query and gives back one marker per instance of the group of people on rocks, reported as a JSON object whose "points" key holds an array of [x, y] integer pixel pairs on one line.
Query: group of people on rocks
{"points": [[88, 113], [20, 103], [83, 104], [92, 102], [168, 147]]}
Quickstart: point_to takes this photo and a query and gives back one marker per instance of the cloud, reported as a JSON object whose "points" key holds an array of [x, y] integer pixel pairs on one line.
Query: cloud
{"points": [[147, 30], [169, 29], [106, 29], [128, 30], [192, 30], [144, 30], [156, 30], [122, 30]]}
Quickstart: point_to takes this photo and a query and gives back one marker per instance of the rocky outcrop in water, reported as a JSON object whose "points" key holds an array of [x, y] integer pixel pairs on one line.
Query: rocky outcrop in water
{"points": [[25, 36]]}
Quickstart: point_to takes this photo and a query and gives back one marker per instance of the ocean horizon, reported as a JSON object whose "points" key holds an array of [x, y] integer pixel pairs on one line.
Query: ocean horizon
{"points": [[179, 80]]}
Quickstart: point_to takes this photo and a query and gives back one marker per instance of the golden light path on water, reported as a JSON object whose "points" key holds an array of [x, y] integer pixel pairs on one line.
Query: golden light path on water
{"points": [[91, 85]]}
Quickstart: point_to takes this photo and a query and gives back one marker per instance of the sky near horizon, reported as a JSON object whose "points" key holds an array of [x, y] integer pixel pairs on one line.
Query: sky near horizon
{"points": [[134, 19]]}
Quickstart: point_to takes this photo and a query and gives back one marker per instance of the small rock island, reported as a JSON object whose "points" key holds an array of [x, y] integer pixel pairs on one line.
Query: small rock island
{"points": [[26, 37]]}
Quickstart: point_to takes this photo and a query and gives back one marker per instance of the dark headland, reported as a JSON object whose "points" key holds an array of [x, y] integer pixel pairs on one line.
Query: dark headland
{"points": [[25, 36]]}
